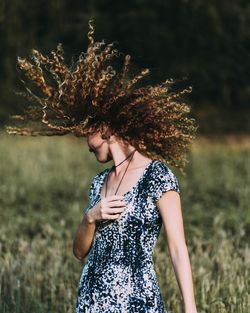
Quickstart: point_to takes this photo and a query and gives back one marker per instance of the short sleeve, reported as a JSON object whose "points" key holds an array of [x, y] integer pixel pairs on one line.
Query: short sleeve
{"points": [[162, 180], [91, 194], [94, 189]]}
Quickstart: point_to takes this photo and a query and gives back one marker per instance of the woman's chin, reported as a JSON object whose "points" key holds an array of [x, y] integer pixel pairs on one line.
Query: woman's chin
{"points": [[102, 159]]}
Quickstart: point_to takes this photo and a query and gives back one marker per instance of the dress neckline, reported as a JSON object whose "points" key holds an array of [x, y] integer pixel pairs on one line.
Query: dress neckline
{"points": [[131, 190]]}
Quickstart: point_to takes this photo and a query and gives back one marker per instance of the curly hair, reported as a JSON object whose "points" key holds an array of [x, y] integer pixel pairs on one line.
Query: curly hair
{"points": [[96, 91]]}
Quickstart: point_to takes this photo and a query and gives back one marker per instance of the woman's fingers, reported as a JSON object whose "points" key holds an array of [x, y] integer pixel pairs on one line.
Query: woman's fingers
{"points": [[115, 204], [108, 215], [114, 210], [111, 207], [112, 217], [114, 198], [113, 201]]}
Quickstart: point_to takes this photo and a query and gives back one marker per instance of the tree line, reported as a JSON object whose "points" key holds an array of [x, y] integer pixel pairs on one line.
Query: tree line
{"points": [[205, 42]]}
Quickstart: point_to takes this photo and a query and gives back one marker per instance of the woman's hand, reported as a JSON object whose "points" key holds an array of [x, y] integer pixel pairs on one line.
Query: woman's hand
{"points": [[108, 208]]}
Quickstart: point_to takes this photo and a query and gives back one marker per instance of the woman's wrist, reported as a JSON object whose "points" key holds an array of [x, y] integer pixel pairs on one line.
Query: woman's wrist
{"points": [[88, 218]]}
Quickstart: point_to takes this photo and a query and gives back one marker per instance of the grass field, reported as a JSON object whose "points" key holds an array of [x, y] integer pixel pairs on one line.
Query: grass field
{"points": [[43, 189]]}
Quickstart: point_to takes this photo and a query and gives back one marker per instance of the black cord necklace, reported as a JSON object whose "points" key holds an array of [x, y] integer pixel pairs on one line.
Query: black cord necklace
{"points": [[113, 167]]}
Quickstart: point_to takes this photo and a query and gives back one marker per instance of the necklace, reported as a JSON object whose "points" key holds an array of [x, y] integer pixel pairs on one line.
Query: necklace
{"points": [[106, 185], [115, 166]]}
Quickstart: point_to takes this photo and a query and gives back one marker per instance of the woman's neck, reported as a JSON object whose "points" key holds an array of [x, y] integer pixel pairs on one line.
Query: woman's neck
{"points": [[120, 153]]}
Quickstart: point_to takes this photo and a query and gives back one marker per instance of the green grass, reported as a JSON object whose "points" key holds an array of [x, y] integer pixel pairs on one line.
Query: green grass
{"points": [[44, 184]]}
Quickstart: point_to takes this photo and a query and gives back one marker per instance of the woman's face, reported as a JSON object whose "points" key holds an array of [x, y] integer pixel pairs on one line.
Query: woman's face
{"points": [[99, 147]]}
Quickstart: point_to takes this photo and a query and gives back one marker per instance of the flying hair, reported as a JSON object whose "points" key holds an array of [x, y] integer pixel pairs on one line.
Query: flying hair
{"points": [[95, 91]]}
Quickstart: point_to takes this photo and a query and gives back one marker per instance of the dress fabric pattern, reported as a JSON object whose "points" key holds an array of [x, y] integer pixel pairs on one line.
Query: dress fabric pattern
{"points": [[119, 275]]}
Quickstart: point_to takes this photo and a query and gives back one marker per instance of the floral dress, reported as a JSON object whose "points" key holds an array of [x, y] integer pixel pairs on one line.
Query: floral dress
{"points": [[119, 275]]}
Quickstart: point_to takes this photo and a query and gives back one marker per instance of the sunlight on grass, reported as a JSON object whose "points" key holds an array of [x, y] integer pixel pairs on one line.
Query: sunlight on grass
{"points": [[44, 188]]}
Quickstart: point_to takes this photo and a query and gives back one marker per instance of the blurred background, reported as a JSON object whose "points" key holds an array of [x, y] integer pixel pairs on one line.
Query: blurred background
{"points": [[207, 42], [44, 181]]}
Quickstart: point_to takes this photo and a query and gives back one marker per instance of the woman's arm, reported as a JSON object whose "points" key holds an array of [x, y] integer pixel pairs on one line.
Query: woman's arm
{"points": [[84, 237], [170, 209], [108, 208]]}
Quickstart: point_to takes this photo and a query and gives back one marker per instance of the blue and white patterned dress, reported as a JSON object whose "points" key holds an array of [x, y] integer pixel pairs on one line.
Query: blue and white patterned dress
{"points": [[119, 275]]}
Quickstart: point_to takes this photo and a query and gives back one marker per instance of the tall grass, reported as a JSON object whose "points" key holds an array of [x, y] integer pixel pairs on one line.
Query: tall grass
{"points": [[43, 189]]}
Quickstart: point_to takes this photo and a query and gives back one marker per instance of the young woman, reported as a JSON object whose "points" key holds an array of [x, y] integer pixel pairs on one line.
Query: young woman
{"points": [[140, 130], [120, 227]]}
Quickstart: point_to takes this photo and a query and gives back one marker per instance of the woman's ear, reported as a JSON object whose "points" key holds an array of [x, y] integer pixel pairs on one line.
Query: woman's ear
{"points": [[106, 132], [105, 136]]}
